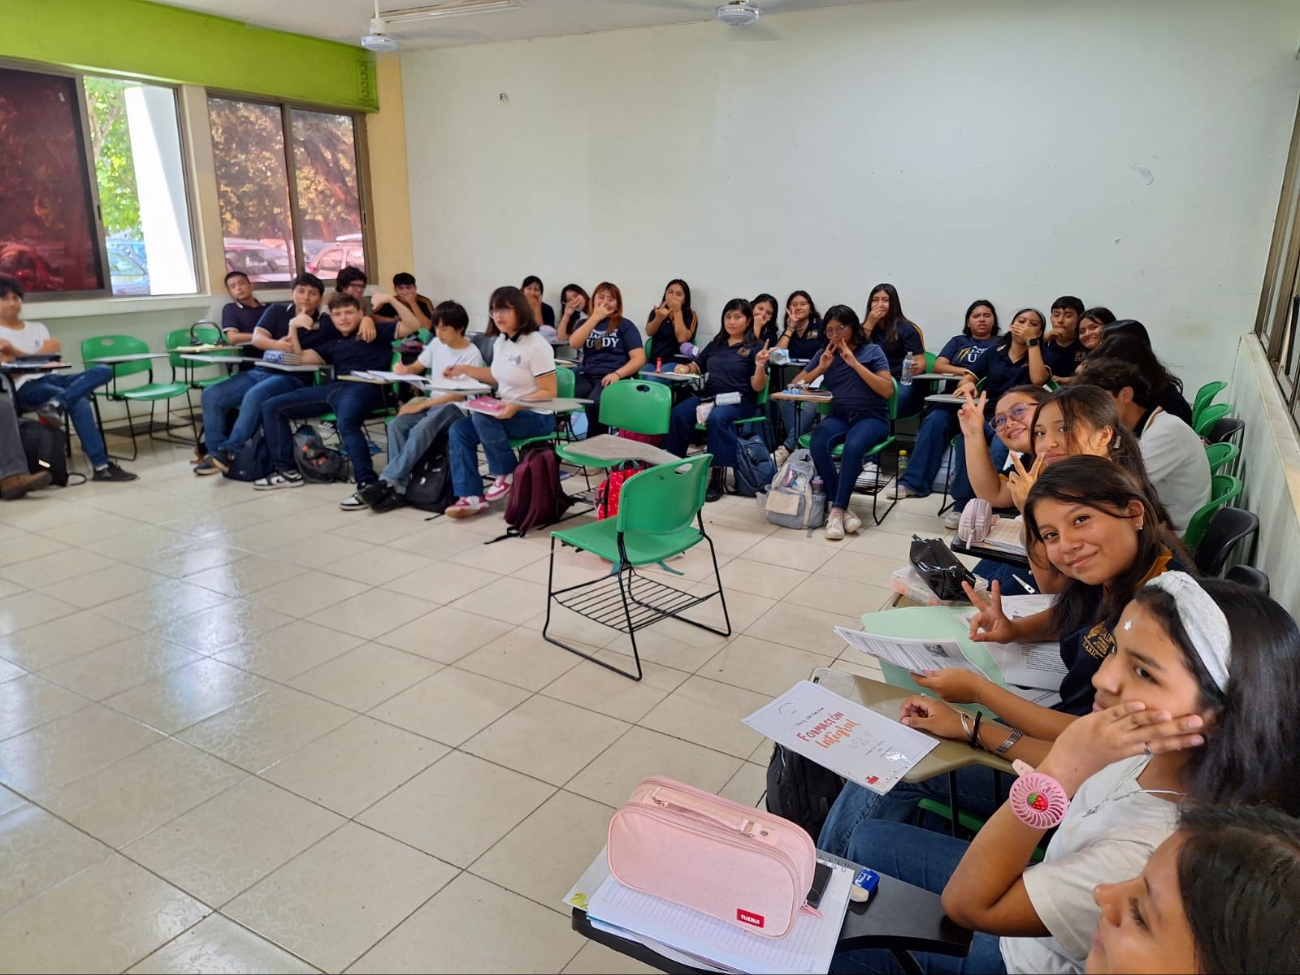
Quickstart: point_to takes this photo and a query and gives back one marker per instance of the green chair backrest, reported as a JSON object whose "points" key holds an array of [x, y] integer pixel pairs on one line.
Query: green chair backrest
{"points": [[1209, 415], [1204, 397], [893, 404], [766, 391], [203, 335], [106, 345], [564, 383], [637, 406], [674, 495], [1221, 454], [1223, 489], [930, 359]]}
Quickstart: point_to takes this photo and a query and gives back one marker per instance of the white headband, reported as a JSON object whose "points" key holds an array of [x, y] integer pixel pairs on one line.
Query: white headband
{"points": [[1203, 621]]}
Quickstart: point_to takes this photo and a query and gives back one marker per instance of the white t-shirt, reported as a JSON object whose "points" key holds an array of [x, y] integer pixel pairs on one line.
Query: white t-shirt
{"points": [[437, 357], [28, 341], [1109, 832], [517, 365], [1177, 465]]}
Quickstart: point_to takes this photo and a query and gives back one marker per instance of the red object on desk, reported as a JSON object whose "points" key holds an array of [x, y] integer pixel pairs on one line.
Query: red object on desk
{"points": [[486, 404]]}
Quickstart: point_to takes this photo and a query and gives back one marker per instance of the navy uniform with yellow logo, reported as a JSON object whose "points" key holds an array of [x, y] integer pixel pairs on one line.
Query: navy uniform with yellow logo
{"points": [[727, 369]]}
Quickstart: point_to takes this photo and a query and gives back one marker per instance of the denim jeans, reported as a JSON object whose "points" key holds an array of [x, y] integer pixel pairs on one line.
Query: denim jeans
{"points": [[74, 392], [858, 436], [351, 404], [410, 435], [246, 392], [962, 492], [924, 859], [495, 436], [721, 435], [798, 419], [932, 439], [13, 459], [589, 387], [1011, 580]]}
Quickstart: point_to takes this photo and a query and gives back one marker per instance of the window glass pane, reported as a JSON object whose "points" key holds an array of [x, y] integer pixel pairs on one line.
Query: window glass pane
{"points": [[253, 188], [141, 177], [325, 161], [48, 237]]}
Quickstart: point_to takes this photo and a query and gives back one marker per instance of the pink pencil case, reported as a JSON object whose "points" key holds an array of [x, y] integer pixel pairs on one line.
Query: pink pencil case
{"points": [[733, 862]]}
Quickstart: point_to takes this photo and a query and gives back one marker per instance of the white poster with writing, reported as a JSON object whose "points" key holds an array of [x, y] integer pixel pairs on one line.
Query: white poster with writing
{"points": [[850, 740]]}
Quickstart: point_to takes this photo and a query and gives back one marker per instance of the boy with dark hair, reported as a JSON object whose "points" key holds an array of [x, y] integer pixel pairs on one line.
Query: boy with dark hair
{"points": [[1056, 356], [241, 315], [404, 290]]}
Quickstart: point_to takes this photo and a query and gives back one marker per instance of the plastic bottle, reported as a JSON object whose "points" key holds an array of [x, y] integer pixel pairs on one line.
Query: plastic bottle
{"points": [[902, 462], [818, 494], [906, 378]]}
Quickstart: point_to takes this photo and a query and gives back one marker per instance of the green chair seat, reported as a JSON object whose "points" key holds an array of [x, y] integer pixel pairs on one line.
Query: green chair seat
{"points": [[565, 382], [601, 538], [1209, 416], [151, 392], [1221, 454]]}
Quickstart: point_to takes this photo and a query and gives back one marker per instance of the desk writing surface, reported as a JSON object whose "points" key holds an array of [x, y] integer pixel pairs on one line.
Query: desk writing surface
{"points": [[109, 360], [794, 397], [946, 399], [942, 377]]}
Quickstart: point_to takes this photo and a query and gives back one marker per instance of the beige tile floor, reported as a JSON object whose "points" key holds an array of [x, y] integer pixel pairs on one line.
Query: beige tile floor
{"points": [[251, 732]]}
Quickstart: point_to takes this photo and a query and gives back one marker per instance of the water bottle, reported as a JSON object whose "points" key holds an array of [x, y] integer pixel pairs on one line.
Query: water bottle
{"points": [[818, 494], [902, 463], [906, 378]]}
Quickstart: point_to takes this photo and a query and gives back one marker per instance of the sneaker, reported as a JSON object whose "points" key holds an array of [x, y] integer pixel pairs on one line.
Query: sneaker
{"points": [[391, 501], [835, 526], [466, 507], [205, 467], [15, 486], [354, 503], [717, 485], [51, 414], [499, 489], [902, 491], [221, 460], [111, 472], [781, 456], [374, 492], [951, 520], [278, 479], [852, 523]]}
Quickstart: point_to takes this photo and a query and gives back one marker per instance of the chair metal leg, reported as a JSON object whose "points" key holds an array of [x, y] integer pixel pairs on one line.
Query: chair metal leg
{"points": [[550, 595], [879, 518]]}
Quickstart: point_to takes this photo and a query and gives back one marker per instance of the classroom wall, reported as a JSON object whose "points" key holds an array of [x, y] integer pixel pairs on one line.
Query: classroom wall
{"points": [[1130, 153]]}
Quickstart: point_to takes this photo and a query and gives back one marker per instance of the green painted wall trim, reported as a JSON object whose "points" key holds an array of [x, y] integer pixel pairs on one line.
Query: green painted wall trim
{"points": [[157, 42]]}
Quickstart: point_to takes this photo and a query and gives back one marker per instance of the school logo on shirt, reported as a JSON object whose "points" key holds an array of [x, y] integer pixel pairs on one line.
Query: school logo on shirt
{"points": [[605, 340], [970, 355], [743, 352], [1099, 642], [515, 359]]}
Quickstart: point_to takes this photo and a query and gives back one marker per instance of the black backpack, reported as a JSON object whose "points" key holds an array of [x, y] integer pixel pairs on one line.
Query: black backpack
{"points": [[430, 486], [253, 461], [316, 462], [801, 790], [46, 449], [755, 469]]}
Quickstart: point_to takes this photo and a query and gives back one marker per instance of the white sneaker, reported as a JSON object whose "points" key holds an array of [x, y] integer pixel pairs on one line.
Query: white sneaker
{"points": [[951, 520], [852, 523], [354, 503], [902, 491], [781, 456], [835, 526], [278, 479]]}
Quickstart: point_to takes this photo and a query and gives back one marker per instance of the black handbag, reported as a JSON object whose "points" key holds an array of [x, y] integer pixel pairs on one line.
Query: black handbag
{"points": [[940, 569]]}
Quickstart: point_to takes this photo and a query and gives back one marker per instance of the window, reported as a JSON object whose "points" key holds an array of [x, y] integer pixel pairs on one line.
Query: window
{"points": [[1279, 307], [271, 232]]}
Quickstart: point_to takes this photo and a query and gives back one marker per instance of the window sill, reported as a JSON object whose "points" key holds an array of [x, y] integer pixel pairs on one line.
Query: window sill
{"points": [[48, 310]]}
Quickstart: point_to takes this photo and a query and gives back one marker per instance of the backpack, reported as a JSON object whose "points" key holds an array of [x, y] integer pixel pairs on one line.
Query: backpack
{"points": [[430, 485], [654, 439], [316, 462], [46, 449], [791, 502], [611, 489], [801, 790], [536, 499], [755, 469], [253, 460]]}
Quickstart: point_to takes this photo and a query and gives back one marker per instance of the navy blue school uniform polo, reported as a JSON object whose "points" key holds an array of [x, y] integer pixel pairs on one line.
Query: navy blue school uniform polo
{"points": [[605, 352], [999, 372], [851, 394], [907, 339], [350, 354], [964, 351], [727, 368], [1062, 359], [809, 344]]}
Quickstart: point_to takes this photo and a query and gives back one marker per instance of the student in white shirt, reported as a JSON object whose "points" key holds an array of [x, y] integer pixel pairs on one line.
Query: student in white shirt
{"points": [[1174, 455], [412, 432], [523, 366], [1197, 700]]}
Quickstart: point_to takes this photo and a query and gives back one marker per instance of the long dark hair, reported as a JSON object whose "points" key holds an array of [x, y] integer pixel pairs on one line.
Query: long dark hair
{"points": [[1246, 919], [1100, 314], [1104, 486], [1129, 347], [771, 330], [1126, 326], [889, 327], [564, 297], [511, 298], [847, 316], [736, 304], [812, 307], [980, 303], [687, 313]]}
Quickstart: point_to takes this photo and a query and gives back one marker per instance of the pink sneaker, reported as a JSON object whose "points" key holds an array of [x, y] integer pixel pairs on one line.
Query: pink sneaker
{"points": [[466, 507], [499, 489]]}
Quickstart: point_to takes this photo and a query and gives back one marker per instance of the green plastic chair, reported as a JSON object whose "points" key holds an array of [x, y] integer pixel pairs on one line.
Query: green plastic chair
{"points": [[151, 392], [565, 381], [630, 404], [186, 372], [1209, 415], [1221, 454], [877, 451], [930, 359], [658, 517], [1204, 397], [1223, 488]]}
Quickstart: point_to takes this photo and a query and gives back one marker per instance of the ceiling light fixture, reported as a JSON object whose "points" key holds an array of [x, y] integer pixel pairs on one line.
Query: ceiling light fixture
{"points": [[452, 8]]}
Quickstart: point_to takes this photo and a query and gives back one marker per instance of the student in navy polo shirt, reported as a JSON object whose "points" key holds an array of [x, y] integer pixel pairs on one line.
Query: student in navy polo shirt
{"points": [[732, 363], [765, 327], [543, 313], [671, 323], [1058, 355], [348, 351], [611, 350], [804, 339], [887, 326], [241, 315], [406, 293]]}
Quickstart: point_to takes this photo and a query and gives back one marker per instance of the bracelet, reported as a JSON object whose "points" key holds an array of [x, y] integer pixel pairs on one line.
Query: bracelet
{"points": [[965, 723], [1012, 738], [975, 733], [980, 688], [1038, 800]]}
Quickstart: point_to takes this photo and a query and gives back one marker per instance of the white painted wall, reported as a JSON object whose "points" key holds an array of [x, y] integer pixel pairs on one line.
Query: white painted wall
{"points": [[959, 149]]}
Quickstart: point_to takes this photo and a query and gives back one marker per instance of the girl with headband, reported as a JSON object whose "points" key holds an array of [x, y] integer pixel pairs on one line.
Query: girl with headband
{"points": [[1200, 698]]}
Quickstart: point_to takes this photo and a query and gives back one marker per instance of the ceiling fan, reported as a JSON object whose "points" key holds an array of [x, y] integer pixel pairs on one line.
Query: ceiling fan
{"points": [[733, 13], [380, 39]]}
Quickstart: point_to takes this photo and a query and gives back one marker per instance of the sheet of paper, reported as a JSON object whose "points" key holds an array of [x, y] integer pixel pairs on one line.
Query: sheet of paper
{"points": [[452, 385], [913, 655], [847, 738], [1006, 535], [1030, 664]]}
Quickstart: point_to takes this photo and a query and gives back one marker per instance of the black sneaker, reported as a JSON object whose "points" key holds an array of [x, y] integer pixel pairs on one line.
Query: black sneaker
{"points": [[221, 460], [717, 484], [112, 472], [392, 500], [278, 479], [374, 492]]}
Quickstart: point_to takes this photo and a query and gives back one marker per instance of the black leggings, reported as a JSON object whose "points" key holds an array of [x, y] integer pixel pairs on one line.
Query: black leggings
{"points": [[589, 387]]}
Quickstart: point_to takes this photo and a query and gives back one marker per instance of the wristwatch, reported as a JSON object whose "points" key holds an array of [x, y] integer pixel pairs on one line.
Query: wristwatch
{"points": [[1031, 343]]}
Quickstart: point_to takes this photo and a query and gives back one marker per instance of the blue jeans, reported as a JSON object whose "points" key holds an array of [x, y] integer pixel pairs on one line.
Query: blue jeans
{"points": [[410, 435], [798, 419], [721, 435], [495, 436], [924, 859], [74, 392], [1011, 581], [858, 436], [962, 492], [932, 440], [247, 392], [351, 404], [911, 399]]}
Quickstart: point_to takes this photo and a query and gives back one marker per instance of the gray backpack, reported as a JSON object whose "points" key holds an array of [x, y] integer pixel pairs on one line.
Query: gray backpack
{"points": [[790, 501]]}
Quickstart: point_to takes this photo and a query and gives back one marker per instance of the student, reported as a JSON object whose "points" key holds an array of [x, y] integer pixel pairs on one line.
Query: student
{"points": [[543, 313], [404, 290], [978, 336], [886, 325], [248, 391], [1126, 343], [1170, 919], [575, 305], [765, 326], [352, 403], [523, 366], [671, 323], [49, 395], [1197, 701], [803, 337], [611, 350], [856, 373], [1092, 323], [352, 281], [15, 479], [1013, 424], [241, 315], [732, 363], [1173, 454], [412, 432], [1057, 356]]}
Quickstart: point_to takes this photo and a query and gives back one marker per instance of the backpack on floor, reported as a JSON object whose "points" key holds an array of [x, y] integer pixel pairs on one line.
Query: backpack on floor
{"points": [[46, 449], [801, 790], [755, 469], [611, 488], [790, 502], [430, 485], [315, 461], [253, 461], [536, 497], [654, 439]]}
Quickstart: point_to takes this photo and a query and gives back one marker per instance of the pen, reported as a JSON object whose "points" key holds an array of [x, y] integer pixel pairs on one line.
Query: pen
{"points": [[1028, 588]]}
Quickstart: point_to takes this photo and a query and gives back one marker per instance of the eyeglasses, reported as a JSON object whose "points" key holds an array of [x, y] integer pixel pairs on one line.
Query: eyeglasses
{"points": [[837, 327], [1016, 413]]}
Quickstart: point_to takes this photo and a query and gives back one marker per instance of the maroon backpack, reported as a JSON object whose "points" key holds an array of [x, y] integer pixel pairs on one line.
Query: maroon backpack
{"points": [[536, 498]]}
